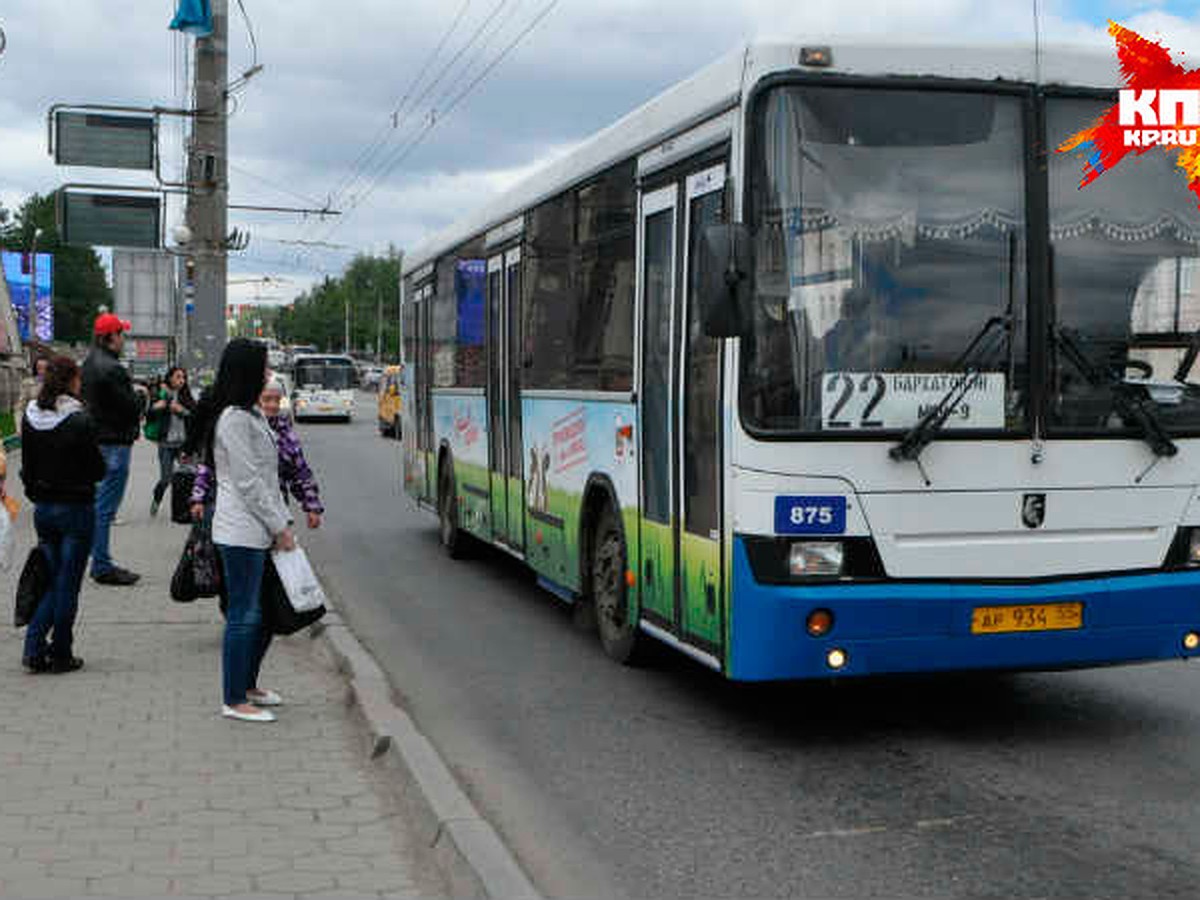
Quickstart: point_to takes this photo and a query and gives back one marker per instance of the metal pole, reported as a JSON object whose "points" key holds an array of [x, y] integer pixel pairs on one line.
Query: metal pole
{"points": [[378, 325], [208, 195], [346, 341]]}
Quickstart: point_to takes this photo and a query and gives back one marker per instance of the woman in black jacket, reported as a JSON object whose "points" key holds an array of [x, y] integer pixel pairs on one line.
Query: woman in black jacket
{"points": [[60, 465]]}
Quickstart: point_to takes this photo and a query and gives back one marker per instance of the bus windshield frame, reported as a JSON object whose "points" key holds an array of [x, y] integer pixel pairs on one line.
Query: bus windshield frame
{"points": [[318, 372], [883, 242]]}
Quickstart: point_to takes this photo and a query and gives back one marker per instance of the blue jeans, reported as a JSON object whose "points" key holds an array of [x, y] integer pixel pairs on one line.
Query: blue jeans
{"points": [[246, 640], [166, 468], [64, 533], [109, 493]]}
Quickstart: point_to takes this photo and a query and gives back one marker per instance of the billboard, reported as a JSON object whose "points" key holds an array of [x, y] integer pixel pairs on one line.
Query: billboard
{"points": [[144, 291], [109, 220], [31, 287], [104, 141]]}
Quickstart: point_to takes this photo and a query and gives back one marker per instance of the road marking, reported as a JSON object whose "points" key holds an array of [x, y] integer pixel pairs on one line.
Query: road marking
{"points": [[861, 830]]}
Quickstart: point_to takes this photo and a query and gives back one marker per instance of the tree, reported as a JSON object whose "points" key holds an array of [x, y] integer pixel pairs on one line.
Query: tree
{"points": [[368, 284], [80, 284]]}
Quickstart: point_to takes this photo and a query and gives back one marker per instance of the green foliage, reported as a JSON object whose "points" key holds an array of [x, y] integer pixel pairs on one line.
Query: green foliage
{"points": [[80, 283], [318, 316]]}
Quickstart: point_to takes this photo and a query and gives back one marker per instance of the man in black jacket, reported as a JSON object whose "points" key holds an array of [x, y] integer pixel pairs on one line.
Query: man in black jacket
{"points": [[113, 405]]}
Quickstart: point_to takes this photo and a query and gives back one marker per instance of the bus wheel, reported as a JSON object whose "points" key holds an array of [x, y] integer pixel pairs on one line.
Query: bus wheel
{"points": [[452, 538], [618, 630]]}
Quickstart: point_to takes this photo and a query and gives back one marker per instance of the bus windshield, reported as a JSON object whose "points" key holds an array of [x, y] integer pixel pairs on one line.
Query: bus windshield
{"points": [[324, 374], [1126, 280], [889, 229]]}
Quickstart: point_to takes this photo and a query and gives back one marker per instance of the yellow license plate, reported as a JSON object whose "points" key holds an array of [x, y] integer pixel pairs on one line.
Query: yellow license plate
{"points": [[1029, 617], [325, 407]]}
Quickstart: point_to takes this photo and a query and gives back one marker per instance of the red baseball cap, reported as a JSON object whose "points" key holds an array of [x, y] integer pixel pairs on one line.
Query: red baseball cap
{"points": [[108, 323]]}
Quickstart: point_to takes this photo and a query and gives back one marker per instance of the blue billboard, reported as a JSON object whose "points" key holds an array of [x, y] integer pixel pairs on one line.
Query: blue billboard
{"points": [[31, 287]]}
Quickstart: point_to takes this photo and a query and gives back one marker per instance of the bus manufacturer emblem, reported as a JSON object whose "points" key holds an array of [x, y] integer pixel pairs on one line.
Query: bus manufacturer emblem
{"points": [[1033, 510]]}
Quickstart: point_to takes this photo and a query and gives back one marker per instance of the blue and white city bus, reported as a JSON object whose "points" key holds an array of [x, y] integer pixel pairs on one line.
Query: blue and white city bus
{"points": [[821, 364]]}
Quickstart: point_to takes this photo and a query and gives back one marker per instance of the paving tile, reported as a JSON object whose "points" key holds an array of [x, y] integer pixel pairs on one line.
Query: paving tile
{"points": [[133, 785]]}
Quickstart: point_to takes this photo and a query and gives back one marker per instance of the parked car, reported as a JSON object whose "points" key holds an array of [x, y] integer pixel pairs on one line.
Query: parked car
{"points": [[389, 402]]}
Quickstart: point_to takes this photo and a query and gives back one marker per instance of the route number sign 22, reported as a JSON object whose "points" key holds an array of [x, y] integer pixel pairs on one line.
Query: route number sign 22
{"points": [[861, 401]]}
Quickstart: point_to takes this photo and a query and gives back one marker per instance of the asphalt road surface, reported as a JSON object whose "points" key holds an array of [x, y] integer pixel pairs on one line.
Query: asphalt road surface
{"points": [[668, 782]]}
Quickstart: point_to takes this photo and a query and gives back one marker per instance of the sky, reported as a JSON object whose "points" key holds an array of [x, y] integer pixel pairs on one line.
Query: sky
{"points": [[334, 74]]}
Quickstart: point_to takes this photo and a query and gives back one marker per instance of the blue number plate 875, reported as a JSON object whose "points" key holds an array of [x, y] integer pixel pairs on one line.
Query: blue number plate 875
{"points": [[810, 515]]}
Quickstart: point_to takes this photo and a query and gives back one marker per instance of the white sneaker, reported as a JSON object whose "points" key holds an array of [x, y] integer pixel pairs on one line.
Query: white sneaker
{"points": [[261, 715], [266, 698]]}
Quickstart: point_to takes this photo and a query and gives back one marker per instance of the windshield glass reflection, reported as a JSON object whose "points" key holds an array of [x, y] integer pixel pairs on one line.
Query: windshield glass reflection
{"points": [[889, 228]]}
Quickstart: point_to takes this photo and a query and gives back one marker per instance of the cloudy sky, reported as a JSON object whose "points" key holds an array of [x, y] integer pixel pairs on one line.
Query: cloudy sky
{"points": [[334, 73]]}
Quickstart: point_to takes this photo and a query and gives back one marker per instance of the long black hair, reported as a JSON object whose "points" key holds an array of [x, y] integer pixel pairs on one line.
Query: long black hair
{"points": [[240, 378], [241, 375]]}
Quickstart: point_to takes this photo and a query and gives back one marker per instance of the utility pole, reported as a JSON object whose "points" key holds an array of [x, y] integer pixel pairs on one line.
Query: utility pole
{"points": [[208, 194], [378, 323]]}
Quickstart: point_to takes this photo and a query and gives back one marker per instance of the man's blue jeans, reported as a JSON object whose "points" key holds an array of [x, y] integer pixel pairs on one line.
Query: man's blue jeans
{"points": [[246, 640], [64, 533], [109, 493]]}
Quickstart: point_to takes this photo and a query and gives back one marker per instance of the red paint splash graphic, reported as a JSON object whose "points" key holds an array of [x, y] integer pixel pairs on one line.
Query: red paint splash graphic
{"points": [[1145, 65]]}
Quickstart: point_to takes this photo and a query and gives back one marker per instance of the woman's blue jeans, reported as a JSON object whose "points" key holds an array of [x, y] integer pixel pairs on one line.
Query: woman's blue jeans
{"points": [[65, 532], [166, 468], [246, 640]]}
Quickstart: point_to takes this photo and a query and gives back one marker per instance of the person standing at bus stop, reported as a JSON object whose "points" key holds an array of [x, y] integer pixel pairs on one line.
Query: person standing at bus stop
{"points": [[110, 399]]}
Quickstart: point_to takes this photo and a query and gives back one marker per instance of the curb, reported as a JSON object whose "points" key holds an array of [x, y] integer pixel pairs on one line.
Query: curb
{"points": [[466, 846]]}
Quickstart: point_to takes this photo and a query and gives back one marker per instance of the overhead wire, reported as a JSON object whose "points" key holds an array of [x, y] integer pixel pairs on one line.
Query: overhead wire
{"points": [[399, 116], [405, 151], [407, 148], [390, 123], [450, 65], [250, 32], [276, 185]]}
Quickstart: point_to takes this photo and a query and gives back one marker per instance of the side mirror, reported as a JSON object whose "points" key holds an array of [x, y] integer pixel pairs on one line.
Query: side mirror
{"points": [[721, 279]]}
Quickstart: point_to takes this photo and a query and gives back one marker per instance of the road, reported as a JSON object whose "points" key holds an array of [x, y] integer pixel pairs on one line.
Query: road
{"points": [[668, 782]]}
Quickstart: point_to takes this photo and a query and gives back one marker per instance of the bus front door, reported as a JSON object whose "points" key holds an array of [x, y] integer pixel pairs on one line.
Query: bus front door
{"points": [[679, 397]]}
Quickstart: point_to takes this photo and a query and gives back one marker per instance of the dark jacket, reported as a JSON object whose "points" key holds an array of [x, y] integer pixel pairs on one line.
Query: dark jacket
{"points": [[110, 399], [60, 454]]}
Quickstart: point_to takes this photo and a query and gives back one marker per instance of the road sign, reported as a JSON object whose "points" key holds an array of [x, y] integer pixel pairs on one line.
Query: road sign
{"points": [[110, 220], [104, 140]]}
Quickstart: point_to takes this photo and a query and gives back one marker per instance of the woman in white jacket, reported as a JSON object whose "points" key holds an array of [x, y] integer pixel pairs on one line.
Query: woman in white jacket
{"points": [[250, 518]]}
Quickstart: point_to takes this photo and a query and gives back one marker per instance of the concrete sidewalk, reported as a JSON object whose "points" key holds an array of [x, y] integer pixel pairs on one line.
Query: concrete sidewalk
{"points": [[123, 779]]}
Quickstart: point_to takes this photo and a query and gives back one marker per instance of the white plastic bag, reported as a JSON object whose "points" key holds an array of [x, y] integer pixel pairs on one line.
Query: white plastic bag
{"points": [[299, 580], [7, 538]]}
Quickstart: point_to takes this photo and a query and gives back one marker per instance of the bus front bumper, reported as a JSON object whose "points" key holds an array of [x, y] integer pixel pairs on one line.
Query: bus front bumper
{"points": [[893, 627]]}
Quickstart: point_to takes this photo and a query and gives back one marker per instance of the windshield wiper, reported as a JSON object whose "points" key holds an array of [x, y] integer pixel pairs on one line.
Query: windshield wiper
{"points": [[921, 435], [1130, 401]]}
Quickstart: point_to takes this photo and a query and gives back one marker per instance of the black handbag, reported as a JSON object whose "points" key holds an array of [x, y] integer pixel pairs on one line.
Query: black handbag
{"points": [[198, 573], [182, 481], [31, 586], [279, 616]]}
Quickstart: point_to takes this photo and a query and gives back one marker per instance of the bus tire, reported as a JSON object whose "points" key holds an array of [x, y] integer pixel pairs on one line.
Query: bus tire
{"points": [[452, 538], [619, 633]]}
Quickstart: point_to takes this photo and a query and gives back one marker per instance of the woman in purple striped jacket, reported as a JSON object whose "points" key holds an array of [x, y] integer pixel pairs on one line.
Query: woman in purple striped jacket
{"points": [[295, 476]]}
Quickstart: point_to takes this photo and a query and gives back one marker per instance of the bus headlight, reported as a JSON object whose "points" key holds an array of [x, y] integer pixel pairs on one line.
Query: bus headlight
{"points": [[816, 559]]}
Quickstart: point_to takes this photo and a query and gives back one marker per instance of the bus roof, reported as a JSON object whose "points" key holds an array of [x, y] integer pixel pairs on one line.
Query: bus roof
{"points": [[719, 86]]}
